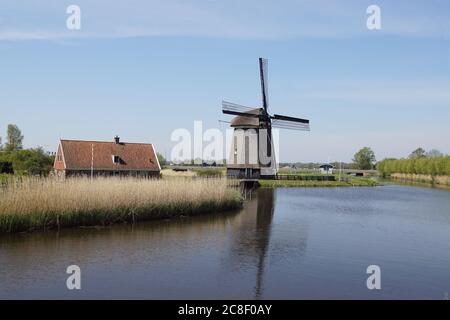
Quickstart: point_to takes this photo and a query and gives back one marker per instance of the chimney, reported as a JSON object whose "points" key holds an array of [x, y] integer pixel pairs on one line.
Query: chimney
{"points": [[117, 139]]}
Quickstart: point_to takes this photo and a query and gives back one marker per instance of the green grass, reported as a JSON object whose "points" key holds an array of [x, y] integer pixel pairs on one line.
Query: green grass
{"points": [[292, 172], [350, 182], [209, 172]]}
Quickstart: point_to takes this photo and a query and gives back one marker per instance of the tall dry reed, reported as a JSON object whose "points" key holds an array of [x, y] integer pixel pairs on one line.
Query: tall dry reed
{"points": [[33, 203]]}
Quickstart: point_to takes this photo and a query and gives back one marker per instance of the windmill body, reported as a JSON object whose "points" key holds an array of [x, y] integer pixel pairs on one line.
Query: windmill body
{"points": [[249, 146], [252, 154]]}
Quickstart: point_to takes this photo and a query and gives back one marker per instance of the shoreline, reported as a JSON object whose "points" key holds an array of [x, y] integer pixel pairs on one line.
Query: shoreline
{"points": [[47, 204], [352, 182], [415, 183], [11, 224]]}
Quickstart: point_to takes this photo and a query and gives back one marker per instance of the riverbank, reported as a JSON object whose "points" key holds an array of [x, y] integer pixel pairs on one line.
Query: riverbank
{"points": [[40, 204], [422, 178], [421, 184], [347, 182]]}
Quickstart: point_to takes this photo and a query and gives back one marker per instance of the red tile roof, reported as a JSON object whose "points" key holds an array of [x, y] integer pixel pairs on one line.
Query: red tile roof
{"points": [[134, 156]]}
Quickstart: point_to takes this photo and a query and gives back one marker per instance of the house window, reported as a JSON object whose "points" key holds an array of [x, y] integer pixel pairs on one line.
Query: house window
{"points": [[116, 159]]}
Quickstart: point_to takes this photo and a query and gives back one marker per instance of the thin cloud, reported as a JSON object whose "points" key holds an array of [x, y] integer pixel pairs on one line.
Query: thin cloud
{"points": [[222, 19]]}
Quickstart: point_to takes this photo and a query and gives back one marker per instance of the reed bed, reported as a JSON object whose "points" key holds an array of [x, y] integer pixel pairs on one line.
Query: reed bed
{"points": [[39, 204]]}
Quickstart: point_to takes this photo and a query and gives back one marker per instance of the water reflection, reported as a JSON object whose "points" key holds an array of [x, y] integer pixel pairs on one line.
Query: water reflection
{"points": [[251, 239], [264, 216], [30, 260]]}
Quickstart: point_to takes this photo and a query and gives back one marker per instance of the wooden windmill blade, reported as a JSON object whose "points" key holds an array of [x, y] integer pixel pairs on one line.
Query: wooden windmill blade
{"points": [[277, 125], [292, 123], [230, 106], [289, 119], [239, 110], [244, 114], [263, 71]]}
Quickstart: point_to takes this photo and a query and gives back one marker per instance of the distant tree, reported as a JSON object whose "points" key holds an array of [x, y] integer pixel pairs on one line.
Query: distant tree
{"points": [[418, 153], [364, 159], [14, 138], [31, 161], [1, 146], [161, 159], [434, 153], [341, 165]]}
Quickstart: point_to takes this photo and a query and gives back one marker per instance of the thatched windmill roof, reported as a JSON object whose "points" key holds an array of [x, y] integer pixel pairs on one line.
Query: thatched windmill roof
{"points": [[246, 122]]}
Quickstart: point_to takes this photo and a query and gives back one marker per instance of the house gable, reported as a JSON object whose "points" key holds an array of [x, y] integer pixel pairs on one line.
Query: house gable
{"points": [[59, 163]]}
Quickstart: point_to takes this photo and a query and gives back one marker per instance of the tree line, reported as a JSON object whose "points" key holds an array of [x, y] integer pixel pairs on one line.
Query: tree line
{"points": [[419, 161], [14, 159], [364, 159]]}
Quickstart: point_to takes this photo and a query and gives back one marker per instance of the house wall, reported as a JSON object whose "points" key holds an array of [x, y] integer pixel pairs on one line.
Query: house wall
{"points": [[58, 165]]}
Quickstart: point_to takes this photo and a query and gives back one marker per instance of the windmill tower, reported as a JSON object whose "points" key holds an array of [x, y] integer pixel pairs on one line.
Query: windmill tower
{"points": [[252, 153]]}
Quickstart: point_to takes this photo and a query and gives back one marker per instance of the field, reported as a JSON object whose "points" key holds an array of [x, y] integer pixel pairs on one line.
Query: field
{"points": [[38, 204]]}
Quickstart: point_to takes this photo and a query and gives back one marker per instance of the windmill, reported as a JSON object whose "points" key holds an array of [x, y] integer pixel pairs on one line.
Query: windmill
{"points": [[252, 149]]}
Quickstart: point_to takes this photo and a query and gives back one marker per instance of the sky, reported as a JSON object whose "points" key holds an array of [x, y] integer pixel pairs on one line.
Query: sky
{"points": [[141, 69]]}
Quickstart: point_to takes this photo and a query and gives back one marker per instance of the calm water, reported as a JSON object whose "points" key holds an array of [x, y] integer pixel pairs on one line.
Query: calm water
{"points": [[285, 244]]}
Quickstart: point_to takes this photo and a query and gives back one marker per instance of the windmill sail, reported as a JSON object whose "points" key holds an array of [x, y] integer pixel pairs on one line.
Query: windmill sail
{"points": [[292, 123], [229, 106], [291, 119], [239, 110], [279, 124], [263, 70]]}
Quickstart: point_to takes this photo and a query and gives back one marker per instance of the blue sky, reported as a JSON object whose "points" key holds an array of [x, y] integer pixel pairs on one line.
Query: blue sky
{"points": [[141, 69]]}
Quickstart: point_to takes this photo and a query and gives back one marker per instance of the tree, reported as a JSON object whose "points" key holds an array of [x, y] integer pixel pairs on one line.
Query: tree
{"points": [[364, 159], [161, 159], [14, 138], [29, 161], [434, 153], [418, 153], [1, 146]]}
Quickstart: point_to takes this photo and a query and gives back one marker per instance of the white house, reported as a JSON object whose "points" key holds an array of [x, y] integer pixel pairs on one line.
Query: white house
{"points": [[326, 169]]}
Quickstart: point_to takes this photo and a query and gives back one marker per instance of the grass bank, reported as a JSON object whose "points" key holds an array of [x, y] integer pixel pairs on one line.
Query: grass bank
{"points": [[348, 182], [39, 204]]}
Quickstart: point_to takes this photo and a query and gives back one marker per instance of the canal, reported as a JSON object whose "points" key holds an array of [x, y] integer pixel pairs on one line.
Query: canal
{"points": [[302, 243]]}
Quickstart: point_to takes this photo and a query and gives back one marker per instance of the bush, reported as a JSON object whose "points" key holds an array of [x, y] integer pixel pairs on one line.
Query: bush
{"points": [[438, 166], [30, 161], [215, 172]]}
